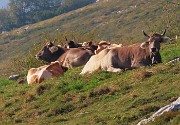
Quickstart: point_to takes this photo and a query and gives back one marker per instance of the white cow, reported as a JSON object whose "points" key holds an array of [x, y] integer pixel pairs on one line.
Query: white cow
{"points": [[37, 75]]}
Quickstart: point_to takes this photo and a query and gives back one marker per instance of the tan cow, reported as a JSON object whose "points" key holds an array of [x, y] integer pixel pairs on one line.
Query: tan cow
{"points": [[37, 75], [106, 45], [127, 57]]}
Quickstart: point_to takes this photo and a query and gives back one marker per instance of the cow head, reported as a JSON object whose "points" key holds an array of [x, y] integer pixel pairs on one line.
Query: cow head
{"points": [[70, 44], [153, 43], [90, 46], [49, 52], [87, 44], [101, 46]]}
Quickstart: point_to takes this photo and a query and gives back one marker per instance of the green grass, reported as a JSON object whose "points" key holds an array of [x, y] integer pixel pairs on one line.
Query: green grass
{"points": [[101, 97], [99, 21]]}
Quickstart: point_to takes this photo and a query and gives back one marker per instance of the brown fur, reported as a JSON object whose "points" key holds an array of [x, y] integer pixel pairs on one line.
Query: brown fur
{"points": [[72, 57], [75, 57], [126, 57], [37, 75]]}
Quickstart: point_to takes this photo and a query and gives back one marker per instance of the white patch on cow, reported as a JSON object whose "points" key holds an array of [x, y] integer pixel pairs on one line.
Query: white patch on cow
{"points": [[84, 44], [35, 74], [104, 46], [94, 62]]}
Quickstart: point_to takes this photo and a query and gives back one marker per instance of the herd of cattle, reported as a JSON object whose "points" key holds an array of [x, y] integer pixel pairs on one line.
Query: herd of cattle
{"points": [[104, 55]]}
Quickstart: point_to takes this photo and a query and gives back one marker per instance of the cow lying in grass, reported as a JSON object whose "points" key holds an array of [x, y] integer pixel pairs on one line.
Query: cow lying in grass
{"points": [[37, 75], [71, 57], [127, 57], [106, 45]]}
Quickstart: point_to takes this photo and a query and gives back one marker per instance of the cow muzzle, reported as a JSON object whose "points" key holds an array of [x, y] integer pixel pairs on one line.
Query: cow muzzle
{"points": [[154, 58], [154, 50]]}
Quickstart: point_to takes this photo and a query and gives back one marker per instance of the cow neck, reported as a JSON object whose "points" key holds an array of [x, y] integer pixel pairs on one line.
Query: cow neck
{"points": [[58, 53], [137, 51]]}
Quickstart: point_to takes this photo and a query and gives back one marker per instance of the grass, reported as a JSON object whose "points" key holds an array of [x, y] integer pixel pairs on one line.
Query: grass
{"points": [[98, 98], [116, 20], [101, 97]]}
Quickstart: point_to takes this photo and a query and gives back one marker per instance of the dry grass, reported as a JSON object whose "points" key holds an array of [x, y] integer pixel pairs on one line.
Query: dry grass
{"points": [[142, 74]]}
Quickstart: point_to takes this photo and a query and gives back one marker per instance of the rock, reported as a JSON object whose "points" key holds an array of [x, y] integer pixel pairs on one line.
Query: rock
{"points": [[14, 77], [174, 106], [174, 60]]}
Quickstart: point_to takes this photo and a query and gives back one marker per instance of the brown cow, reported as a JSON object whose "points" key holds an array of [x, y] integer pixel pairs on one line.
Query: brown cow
{"points": [[50, 52], [75, 57], [127, 57], [37, 75], [90, 46], [105, 45], [72, 44], [72, 57]]}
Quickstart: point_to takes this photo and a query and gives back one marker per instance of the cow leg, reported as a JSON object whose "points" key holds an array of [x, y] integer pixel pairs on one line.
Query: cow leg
{"points": [[67, 63], [110, 63], [111, 69], [92, 65]]}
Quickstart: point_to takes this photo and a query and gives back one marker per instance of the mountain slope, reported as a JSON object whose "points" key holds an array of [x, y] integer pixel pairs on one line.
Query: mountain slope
{"points": [[99, 98], [109, 20], [96, 99]]}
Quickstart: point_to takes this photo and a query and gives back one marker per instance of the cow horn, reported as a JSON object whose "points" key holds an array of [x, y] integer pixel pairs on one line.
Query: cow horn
{"points": [[54, 40], [164, 32], [74, 39], [66, 38], [145, 34]]}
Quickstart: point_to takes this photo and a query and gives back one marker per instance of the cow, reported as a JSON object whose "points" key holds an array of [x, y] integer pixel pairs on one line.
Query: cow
{"points": [[127, 57], [71, 57], [103, 45], [75, 57], [37, 75], [90, 46], [50, 52], [71, 44]]}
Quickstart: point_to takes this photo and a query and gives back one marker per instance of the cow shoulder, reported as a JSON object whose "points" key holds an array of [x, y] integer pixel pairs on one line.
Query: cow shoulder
{"points": [[55, 68]]}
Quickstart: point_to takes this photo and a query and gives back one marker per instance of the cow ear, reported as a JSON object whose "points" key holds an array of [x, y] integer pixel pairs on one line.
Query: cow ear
{"points": [[144, 45], [90, 43], [53, 49], [165, 39]]}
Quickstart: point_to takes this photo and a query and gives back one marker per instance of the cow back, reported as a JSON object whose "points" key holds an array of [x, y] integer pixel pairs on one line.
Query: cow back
{"points": [[75, 57]]}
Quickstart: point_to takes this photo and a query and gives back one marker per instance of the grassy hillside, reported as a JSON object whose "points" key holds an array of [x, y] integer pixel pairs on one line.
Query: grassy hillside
{"points": [[95, 99], [100, 98], [117, 20]]}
